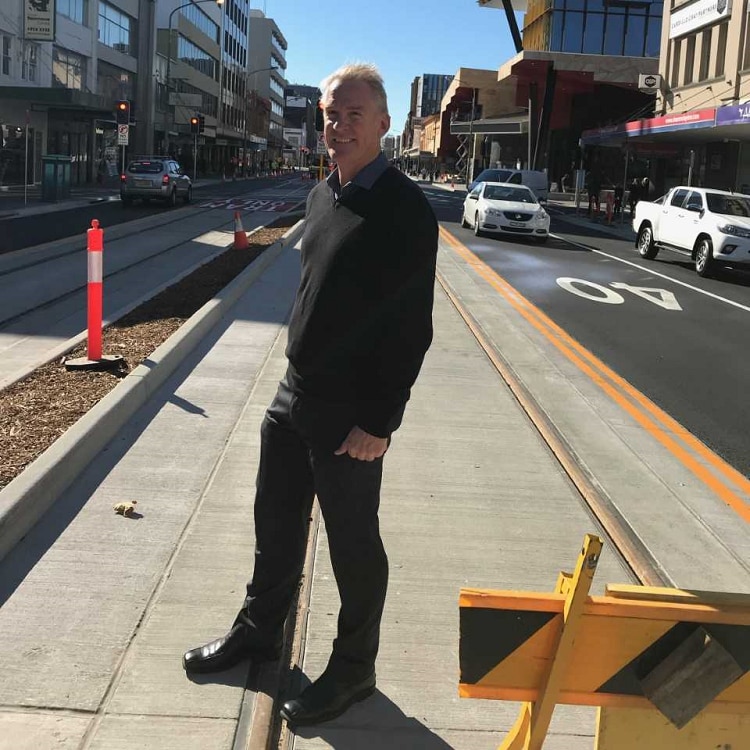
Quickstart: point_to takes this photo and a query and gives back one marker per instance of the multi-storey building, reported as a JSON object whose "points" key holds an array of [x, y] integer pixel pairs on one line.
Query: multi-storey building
{"points": [[64, 86], [427, 92], [267, 65], [300, 133], [577, 66], [700, 134]]}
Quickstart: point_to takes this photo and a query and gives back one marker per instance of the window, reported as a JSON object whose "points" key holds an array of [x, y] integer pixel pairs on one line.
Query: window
{"points": [[7, 59], [674, 79], [593, 34], [694, 201], [277, 45], [635, 35], [572, 32], [201, 21], [678, 198], [614, 34], [689, 59], [29, 61], [705, 55], [75, 10], [68, 69], [276, 88], [115, 29], [196, 58], [721, 49]]}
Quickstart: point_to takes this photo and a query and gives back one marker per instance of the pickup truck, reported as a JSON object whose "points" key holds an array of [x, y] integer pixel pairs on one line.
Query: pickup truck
{"points": [[712, 226]]}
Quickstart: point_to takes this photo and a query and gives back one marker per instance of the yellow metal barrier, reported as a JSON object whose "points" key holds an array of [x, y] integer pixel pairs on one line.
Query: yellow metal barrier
{"points": [[668, 668]]}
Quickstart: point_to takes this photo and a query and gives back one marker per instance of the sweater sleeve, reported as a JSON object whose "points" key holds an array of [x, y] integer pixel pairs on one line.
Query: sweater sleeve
{"points": [[403, 333]]}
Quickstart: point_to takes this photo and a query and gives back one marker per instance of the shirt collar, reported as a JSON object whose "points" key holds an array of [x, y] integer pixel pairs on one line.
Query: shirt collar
{"points": [[365, 178]]}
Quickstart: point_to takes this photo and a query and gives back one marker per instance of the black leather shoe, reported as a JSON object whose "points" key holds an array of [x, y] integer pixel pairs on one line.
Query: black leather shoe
{"points": [[227, 651], [326, 699]]}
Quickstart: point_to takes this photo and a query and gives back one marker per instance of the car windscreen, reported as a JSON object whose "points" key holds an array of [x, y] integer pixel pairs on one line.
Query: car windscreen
{"points": [[728, 205], [502, 193], [146, 167], [493, 175]]}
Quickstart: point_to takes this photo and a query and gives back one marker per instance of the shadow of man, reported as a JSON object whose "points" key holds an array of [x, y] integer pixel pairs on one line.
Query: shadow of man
{"points": [[374, 724]]}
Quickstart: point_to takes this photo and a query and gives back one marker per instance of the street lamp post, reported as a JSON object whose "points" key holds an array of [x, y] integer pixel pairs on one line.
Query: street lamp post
{"points": [[170, 120], [472, 145], [244, 129]]}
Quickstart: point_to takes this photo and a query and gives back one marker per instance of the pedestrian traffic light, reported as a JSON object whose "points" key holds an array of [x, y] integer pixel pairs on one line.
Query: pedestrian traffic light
{"points": [[195, 124], [122, 112], [201, 123]]}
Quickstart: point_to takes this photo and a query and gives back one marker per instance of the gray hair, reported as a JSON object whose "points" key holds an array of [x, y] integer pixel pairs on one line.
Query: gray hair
{"points": [[366, 72]]}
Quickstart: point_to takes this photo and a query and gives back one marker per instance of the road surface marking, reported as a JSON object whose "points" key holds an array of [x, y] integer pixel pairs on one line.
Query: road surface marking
{"points": [[653, 419]]}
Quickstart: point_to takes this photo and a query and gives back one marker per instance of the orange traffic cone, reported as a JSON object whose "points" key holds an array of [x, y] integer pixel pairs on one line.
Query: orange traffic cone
{"points": [[240, 238]]}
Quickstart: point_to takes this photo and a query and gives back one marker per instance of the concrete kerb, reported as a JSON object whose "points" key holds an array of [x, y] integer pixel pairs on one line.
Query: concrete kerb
{"points": [[25, 500]]}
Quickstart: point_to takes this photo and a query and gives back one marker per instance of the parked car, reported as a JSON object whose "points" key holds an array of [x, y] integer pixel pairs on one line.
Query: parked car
{"points": [[160, 178], [502, 208], [713, 226], [532, 178]]}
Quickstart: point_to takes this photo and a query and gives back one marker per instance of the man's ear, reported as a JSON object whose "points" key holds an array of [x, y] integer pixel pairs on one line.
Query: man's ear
{"points": [[385, 125]]}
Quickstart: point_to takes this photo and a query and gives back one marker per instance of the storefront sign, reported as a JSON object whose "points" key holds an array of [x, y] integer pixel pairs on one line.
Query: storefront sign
{"points": [[699, 118], [39, 20], [733, 114], [698, 14]]}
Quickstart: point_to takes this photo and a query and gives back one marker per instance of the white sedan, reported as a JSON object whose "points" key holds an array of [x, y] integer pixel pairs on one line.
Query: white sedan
{"points": [[505, 209]]}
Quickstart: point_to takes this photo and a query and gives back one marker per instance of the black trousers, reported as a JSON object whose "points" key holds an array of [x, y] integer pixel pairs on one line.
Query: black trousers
{"points": [[297, 462]]}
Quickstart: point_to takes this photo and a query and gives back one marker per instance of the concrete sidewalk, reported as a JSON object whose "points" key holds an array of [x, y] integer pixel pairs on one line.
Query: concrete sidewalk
{"points": [[98, 608]]}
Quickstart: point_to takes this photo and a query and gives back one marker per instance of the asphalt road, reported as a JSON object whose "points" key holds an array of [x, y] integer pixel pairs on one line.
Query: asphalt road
{"points": [[26, 231], [679, 339]]}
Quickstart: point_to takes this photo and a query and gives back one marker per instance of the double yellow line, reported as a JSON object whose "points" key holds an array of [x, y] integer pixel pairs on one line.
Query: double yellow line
{"points": [[713, 471]]}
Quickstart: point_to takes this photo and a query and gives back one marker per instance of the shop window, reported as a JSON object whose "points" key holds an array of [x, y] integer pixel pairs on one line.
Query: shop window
{"points": [[7, 59], [721, 49], [689, 59], [674, 79], [705, 55]]}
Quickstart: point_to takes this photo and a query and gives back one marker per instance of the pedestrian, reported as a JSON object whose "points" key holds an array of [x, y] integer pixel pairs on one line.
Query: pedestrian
{"points": [[359, 330]]}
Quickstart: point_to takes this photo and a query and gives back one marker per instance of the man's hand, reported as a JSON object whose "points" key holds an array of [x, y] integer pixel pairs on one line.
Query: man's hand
{"points": [[362, 446]]}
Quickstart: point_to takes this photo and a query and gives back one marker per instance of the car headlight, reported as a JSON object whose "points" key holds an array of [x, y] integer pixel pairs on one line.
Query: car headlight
{"points": [[542, 215], [734, 230], [493, 212]]}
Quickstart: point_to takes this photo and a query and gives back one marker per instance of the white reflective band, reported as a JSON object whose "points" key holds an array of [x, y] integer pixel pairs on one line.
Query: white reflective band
{"points": [[96, 267]]}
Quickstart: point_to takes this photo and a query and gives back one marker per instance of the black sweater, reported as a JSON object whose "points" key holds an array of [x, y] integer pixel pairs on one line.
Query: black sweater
{"points": [[362, 319]]}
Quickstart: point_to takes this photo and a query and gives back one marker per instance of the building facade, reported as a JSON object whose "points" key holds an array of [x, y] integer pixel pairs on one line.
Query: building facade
{"points": [[64, 90], [699, 134], [301, 121], [267, 78]]}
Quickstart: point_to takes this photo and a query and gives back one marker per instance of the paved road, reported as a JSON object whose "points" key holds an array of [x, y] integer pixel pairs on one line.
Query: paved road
{"points": [[679, 339], [22, 231]]}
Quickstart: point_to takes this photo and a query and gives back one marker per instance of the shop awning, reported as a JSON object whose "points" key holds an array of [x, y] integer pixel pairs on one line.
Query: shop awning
{"points": [[701, 120], [60, 98], [515, 124]]}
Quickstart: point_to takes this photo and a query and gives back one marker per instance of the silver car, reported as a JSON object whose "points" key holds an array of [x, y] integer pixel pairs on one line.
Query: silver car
{"points": [[160, 178]]}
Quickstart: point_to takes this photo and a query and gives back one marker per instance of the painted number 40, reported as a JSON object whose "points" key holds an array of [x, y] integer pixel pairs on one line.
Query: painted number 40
{"points": [[599, 293]]}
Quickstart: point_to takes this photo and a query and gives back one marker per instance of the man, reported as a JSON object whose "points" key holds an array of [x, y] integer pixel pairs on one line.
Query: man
{"points": [[360, 327]]}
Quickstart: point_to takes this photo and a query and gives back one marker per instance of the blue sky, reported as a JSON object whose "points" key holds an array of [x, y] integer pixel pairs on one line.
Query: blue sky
{"points": [[404, 38]]}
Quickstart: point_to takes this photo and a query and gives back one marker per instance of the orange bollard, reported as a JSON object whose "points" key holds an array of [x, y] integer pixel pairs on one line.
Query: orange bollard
{"points": [[94, 359], [240, 238]]}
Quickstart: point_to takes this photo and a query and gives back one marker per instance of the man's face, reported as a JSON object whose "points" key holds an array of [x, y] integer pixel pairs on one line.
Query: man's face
{"points": [[354, 125]]}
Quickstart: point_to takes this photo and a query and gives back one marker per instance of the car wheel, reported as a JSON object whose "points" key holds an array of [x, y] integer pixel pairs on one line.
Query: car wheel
{"points": [[646, 247], [477, 229], [464, 223], [189, 195], [704, 261], [172, 200]]}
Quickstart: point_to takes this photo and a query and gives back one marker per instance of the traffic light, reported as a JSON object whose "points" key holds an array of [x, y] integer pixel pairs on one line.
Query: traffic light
{"points": [[122, 112], [195, 125], [201, 123], [319, 126]]}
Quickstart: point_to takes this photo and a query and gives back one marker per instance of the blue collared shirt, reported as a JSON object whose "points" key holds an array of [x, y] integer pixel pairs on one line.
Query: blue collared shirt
{"points": [[365, 178]]}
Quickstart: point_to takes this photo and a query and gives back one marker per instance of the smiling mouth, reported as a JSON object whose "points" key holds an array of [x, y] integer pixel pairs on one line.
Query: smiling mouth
{"points": [[342, 140]]}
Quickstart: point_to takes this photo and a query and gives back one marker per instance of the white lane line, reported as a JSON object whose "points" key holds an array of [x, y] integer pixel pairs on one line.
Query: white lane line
{"points": [[653, 273]]}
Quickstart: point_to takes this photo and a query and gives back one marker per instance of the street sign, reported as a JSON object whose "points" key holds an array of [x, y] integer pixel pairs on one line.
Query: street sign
{"points": [[123, 132], [321, 147]]}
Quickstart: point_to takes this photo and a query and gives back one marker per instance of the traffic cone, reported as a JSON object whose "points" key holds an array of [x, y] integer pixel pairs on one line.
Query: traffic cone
{"points": [[240, 238]]}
